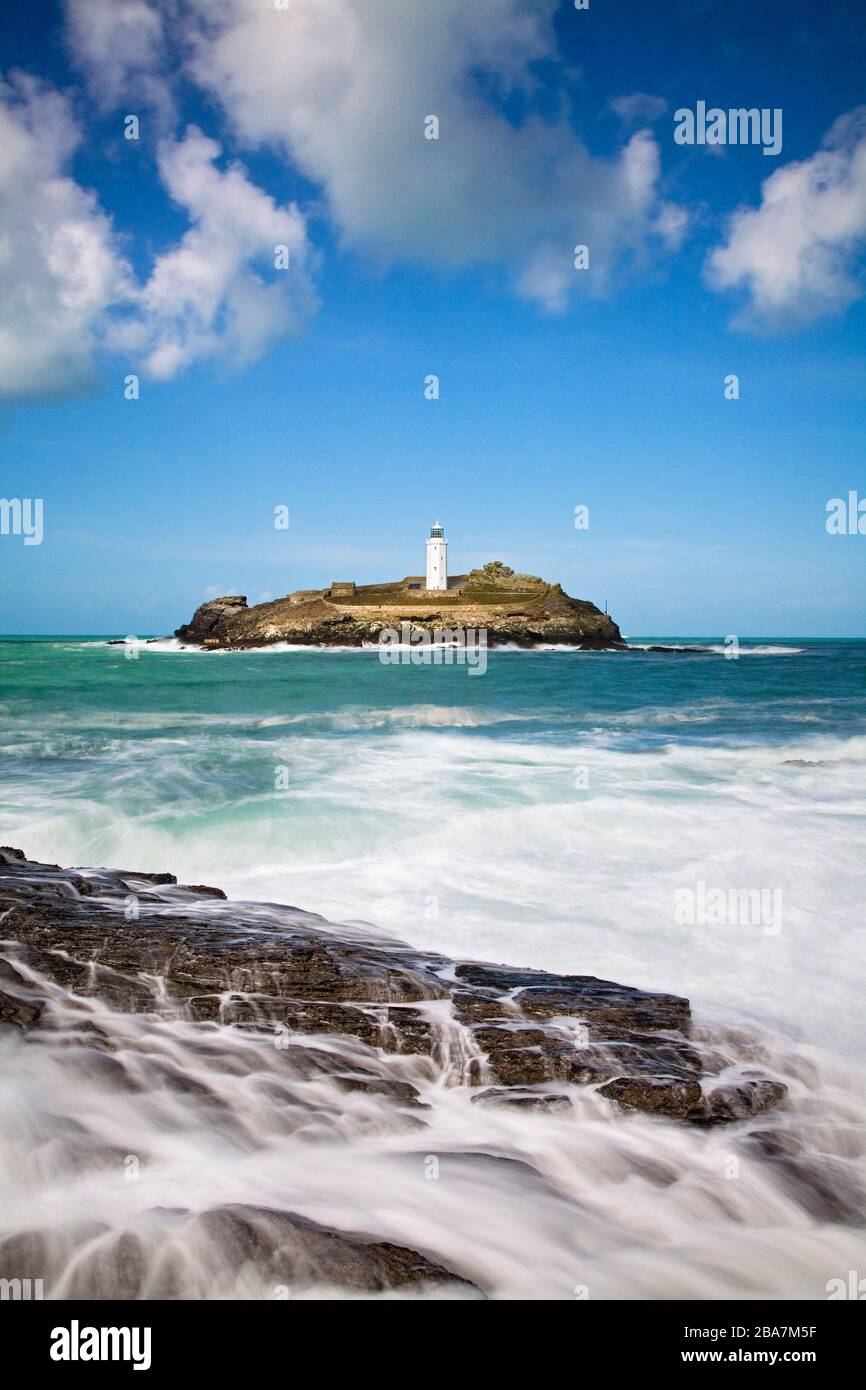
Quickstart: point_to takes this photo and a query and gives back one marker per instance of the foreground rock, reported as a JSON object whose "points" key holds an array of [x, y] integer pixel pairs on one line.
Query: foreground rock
{"points": [[511, 608], [157, 1024], [145, 945], [281, 1246]]}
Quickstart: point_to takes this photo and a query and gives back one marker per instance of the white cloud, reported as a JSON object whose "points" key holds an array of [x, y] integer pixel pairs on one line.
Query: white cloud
{"points": [[638, 107], [208, 295], [60, 270], [67, 293], [342, 87], [121, 47], [795, 255]]}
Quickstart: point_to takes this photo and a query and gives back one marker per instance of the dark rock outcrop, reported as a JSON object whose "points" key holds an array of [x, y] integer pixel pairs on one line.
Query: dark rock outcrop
{"points": [[111, 935], [286, 1251], [317, 1017], [211, 619]]}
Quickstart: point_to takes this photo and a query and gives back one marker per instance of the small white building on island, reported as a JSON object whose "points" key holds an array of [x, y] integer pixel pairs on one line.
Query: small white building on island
{"points": [[437, 558]]}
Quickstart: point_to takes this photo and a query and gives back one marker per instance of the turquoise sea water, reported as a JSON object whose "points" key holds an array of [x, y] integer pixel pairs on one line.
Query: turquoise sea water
{"points": [[545, 812], [551, 812]]}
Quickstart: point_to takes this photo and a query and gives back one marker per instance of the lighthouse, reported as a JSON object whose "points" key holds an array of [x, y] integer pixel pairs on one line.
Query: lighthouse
{"points": [[437, 566]]}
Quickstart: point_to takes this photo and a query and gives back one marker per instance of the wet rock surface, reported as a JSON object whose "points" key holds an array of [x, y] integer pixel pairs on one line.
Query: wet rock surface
{"points": [[286, 1250], [347, 1019], [143, 944]]}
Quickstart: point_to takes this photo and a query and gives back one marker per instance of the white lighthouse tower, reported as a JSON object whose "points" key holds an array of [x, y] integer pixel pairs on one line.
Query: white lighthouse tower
{"points": [[437, 558]]}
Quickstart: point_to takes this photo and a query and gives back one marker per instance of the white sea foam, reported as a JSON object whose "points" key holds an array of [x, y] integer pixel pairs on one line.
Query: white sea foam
{"points": [[429, 822], [155, 645], [405, 716], [719, 649], [82, 724], [526, 1204], [465, 843]]}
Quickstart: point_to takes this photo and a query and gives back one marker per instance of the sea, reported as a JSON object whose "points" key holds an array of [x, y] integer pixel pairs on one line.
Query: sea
{"points": [[603, 813]]}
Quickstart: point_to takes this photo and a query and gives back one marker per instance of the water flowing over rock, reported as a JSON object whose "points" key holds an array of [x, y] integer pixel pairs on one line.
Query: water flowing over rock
{"points": [[126, 979], [292, 971]]}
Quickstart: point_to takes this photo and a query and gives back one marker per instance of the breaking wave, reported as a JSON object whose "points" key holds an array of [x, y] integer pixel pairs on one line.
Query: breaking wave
{"points": [[546, 815]]}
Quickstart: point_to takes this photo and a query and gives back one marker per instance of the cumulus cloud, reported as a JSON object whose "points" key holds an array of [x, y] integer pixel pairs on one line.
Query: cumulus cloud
{"points": [[624, 217], [341, 90], [60, 268], [343, 87], [67, 293], [219, 290], [120, 45], [795, 255]]}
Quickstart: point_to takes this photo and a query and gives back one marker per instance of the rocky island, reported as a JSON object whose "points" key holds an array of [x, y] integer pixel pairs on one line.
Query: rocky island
{"points": [[512, 609]]}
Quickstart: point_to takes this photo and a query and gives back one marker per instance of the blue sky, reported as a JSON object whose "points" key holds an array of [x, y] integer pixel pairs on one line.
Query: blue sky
{"points": [[453, 257]]}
